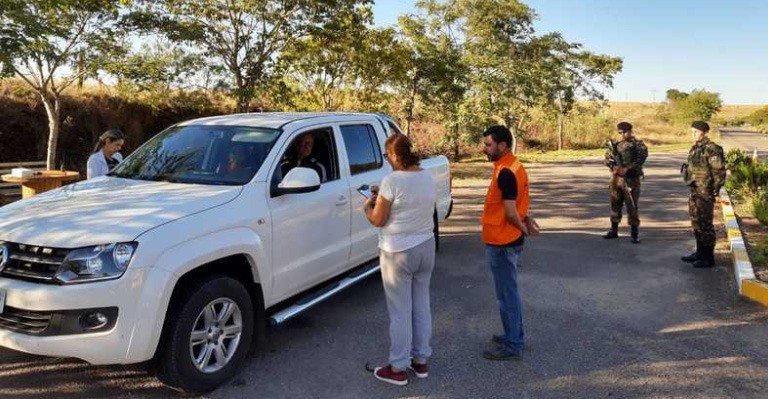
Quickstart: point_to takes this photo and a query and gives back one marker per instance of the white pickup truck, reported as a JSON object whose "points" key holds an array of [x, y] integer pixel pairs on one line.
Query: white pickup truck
{"points": [[206, 232]]}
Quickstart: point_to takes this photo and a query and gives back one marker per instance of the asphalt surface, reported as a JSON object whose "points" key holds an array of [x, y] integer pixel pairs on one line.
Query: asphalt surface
{"points": [[745, 140], [602, 319]]}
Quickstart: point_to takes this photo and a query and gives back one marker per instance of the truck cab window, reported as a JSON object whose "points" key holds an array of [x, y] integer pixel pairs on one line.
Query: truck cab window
{"points": [[362, 147], [313, 149]]}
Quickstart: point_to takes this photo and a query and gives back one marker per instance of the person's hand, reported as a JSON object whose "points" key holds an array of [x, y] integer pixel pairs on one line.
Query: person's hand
{"points": [[621, 171], [532, 227], [370, 202], [375, 191]]}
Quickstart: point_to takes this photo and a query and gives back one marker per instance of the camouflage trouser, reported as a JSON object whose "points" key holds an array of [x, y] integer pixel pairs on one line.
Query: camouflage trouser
{"points": [[700, 207], [619, 199]]}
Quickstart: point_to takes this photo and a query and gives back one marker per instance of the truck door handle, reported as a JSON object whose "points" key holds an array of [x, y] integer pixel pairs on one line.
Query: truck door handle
{"points": [[342, 200]]}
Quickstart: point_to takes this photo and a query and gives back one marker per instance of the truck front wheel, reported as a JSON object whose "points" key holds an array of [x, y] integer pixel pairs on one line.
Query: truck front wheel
{"points": [[207, 337]]}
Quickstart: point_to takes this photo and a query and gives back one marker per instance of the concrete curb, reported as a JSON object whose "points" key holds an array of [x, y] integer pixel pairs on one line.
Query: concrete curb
{"points": [[748, 284]]}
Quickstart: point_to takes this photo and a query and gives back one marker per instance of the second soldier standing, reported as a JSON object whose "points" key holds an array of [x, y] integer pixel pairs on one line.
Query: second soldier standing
{"points": [[705, 175], [625, 159]]}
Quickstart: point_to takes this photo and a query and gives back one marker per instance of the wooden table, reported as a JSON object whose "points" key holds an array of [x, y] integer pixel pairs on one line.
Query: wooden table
{"points": [[41, 181]]}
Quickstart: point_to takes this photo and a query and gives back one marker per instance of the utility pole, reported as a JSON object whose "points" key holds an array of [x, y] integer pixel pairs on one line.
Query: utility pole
{"points": [[653, 94]]}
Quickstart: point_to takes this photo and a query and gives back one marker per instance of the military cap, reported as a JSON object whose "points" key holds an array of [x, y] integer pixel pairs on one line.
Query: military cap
{"points": [[700, 125], [624, 126]]}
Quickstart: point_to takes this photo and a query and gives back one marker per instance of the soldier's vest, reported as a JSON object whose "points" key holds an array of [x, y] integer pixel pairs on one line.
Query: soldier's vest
{"points": [[496, 229], [699, 158], [633, 151]]}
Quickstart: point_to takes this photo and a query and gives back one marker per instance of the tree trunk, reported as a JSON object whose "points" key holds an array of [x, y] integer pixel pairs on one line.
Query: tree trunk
{"points": [[560, 131], [411, 106], [455, 129], [53, 110]]}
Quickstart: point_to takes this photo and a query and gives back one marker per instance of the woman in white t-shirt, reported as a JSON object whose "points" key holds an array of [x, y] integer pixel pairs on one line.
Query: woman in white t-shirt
{"points": [[106, 155], [403, 209]]}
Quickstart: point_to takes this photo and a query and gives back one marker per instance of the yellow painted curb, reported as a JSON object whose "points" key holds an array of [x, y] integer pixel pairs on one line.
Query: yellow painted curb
{"points": [[755, 290]]}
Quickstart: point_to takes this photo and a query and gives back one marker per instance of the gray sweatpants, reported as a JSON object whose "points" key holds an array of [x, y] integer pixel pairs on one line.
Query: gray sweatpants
{"points": [[406, 277]]}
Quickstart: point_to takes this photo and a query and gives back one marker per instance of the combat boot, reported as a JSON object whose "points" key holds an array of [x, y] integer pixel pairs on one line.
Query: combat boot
{"points": [[613, 232], [694, 256], [635, 235], [706, 257]]}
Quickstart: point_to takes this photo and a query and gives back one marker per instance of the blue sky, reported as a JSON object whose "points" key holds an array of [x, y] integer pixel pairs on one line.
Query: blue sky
{"points": [[717, 45]]}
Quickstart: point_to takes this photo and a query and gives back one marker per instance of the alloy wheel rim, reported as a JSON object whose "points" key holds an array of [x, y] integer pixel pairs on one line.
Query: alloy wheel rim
{"points": [[215, 335]]}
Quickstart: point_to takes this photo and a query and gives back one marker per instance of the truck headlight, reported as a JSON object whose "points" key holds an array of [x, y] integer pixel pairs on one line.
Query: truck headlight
{"points": [[101, 262], [4, 254]]}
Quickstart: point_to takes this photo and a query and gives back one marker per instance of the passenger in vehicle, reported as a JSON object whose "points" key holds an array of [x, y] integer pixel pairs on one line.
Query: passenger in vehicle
{"points": [[302, 156]]}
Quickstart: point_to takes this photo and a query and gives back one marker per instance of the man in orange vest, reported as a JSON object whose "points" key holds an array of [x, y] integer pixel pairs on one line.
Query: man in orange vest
{"points": [[505, 224]]}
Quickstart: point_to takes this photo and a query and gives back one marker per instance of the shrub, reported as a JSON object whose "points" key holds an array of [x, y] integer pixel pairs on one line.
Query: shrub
{"points": [[735, 158], [748, 178], [759, 253], [760, 206]]}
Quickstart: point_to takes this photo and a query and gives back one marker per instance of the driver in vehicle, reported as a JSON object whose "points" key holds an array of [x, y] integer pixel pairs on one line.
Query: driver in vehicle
{"points": [[302, 156]]}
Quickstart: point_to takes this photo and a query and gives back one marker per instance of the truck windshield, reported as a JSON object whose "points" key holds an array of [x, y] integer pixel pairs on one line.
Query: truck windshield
{"points": [[200, 154]]}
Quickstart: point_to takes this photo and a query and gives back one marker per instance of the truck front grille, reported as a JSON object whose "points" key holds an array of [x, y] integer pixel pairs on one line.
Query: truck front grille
{"points": [[33, 263], [24, 321]]}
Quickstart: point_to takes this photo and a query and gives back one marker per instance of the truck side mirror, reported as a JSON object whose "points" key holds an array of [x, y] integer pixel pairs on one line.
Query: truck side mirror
{"points": [[298, 181]]}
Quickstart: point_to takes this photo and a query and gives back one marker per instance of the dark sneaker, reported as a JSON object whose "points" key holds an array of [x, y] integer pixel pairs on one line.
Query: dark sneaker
{"points": [[497, 339], [611, 234], [635, 240], [420, 370], [501, 353], [386, 374]]}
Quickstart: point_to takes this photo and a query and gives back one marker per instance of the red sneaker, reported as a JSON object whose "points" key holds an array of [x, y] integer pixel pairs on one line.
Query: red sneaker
{"points": [[386, 374], [419, 369]]}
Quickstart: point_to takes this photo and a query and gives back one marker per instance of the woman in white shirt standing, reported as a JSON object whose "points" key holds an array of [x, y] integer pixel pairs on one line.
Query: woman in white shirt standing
{"points": [[403, 209], [106, 155]]}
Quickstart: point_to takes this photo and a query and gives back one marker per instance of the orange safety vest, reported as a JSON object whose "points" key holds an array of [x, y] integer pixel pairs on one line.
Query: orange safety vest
{"points": [[496, 229]]}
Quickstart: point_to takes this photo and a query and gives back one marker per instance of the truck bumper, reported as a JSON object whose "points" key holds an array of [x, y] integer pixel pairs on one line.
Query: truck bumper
{"points": [[139, 298]]}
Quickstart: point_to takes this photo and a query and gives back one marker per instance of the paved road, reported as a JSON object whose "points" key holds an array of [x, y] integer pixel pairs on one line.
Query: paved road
{"points": [[746, 140], [603, 319]]}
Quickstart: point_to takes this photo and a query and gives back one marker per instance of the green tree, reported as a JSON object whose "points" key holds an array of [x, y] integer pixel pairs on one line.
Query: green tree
{"points": [[568, 74], [322, 63], [158, 67], [699, 104], [674, 95], [53, 44], [246, 38], [497, 37], [436, 73]]}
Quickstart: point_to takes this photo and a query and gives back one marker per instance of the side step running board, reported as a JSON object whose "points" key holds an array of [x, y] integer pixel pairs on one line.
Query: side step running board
{"points": [[312, 299]]}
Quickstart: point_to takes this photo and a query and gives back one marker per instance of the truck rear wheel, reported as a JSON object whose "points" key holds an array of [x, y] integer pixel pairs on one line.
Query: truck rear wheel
{"points": [[207, 337]]}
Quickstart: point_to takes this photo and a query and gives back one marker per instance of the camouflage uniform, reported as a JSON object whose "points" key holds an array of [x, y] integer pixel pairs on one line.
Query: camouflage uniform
{"points": [[705, 174], [632, 155]]}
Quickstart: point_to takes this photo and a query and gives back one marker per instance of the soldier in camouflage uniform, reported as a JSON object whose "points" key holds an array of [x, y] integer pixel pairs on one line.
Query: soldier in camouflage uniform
{"points": [[705, 174], [626, 161]]}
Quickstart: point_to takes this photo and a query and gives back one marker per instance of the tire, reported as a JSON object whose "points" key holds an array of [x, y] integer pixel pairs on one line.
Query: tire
{"points": [[436, 231], [198, 308]]}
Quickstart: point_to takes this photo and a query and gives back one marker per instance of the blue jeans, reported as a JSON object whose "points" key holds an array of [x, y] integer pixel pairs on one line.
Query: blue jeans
{"points": [[503, 263]]}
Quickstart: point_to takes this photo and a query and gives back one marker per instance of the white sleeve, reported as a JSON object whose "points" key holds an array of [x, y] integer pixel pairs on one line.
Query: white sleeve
{"points": [[387, 189], [92, 169]]}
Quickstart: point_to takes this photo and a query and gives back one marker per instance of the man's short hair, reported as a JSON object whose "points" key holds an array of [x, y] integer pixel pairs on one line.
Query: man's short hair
{"points": [[499, 134]]}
